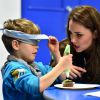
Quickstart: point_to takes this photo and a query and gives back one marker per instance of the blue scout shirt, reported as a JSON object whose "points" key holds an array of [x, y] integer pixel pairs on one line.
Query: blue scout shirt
{"points": [[19, 83]]}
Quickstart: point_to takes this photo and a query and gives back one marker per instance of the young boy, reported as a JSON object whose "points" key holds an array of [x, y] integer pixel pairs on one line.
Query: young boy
{"points": [[24, 79]]}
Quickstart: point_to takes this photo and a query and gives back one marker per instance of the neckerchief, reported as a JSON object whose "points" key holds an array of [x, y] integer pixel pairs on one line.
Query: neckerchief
{"points": [[33, 67]]}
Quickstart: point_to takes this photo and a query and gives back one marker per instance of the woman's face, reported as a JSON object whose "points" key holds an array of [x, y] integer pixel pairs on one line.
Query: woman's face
{"points": [[81, 37]]}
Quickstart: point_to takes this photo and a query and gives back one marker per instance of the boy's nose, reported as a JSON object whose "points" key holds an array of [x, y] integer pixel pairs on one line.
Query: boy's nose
{"points": [[37, 47]]}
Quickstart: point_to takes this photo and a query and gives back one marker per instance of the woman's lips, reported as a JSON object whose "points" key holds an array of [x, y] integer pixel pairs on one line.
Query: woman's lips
{"points": [[76, 47]]}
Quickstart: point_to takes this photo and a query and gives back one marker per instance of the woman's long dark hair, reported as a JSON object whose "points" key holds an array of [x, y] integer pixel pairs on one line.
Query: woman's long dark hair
{"points": [[89, 17]]}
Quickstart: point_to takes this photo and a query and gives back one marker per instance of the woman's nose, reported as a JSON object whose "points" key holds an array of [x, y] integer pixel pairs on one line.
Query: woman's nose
{"points": [[73, 39]]}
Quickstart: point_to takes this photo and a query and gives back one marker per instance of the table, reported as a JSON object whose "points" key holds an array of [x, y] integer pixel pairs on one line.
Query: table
{"points": [[54, 93]]}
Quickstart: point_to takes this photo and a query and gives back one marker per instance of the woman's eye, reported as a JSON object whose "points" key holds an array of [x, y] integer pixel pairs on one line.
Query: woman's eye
{"points": [[79, 35], [70, 33]]}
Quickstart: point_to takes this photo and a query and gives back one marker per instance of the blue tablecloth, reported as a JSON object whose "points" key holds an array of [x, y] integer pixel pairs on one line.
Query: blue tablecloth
{"points": [[54, 93]]}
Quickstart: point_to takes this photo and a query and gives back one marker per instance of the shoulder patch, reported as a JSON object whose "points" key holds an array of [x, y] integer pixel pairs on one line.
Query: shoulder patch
{"points": [[17, 73]]}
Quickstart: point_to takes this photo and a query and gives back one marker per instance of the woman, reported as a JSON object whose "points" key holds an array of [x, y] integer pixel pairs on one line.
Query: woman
{"points": [[84, 36]]}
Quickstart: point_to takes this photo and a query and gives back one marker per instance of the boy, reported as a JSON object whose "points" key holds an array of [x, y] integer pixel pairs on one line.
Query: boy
{"points": [[24, 79]]}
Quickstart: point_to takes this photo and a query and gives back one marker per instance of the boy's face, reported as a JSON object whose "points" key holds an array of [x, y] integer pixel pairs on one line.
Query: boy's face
{"points": [[25, 51]]}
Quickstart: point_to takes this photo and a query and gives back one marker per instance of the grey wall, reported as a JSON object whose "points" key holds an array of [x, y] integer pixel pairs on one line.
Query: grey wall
{"points": [[9, 9]]}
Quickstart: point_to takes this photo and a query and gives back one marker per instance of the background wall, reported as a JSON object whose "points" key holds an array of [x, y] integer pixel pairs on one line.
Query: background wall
{"points": [[51, 16], [9, 9]]}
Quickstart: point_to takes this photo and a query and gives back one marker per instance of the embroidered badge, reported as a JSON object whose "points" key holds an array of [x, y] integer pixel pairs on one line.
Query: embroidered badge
{"points": [[18, 73]]}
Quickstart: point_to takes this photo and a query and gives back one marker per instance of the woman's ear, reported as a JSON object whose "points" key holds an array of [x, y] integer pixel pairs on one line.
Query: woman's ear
{"points": [[15, 44]]}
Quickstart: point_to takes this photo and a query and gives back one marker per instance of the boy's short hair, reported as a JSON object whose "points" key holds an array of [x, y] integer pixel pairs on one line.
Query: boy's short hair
{"points": [[22, 25]]}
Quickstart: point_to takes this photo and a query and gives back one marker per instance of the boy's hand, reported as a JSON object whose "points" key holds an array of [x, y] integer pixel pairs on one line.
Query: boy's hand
{"points": [[54, 48], [53, 44], [66, 61]]}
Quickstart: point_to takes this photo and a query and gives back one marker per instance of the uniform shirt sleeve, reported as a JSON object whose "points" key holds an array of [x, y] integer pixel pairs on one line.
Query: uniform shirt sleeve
{"points": [[45, 69], [27, 82], [22, 78]]}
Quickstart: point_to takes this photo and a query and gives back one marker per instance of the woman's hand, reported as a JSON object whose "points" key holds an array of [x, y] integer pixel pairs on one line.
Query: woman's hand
{"points": [[76, 72]]}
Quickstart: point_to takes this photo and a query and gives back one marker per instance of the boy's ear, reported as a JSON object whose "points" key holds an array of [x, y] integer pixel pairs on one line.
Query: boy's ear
{"points": [[15, 44]]}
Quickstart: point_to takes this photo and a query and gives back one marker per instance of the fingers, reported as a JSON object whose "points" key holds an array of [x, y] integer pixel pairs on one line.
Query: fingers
{"points": [[74, 75], [80, 69], [66, 62], [68, 57], [76, 72], [53, 39], [53, 44]]}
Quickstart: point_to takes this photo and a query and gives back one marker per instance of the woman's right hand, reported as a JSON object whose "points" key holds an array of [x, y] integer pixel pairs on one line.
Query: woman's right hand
{"points": [[76, 72]]}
